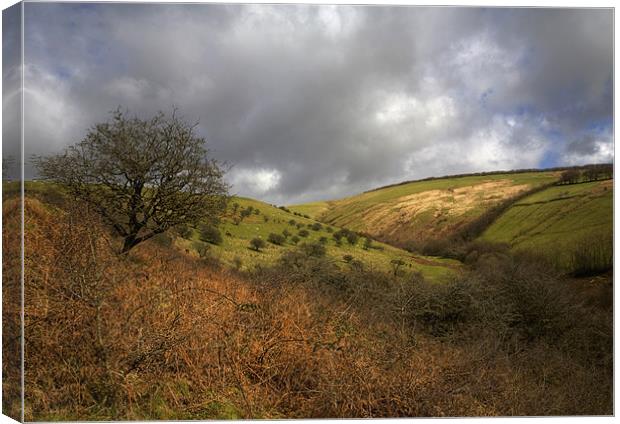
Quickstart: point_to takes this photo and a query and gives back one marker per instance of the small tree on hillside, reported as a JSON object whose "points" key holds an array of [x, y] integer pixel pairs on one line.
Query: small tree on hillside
{"points": [[257, 244], [352, 238], [142, 176]]}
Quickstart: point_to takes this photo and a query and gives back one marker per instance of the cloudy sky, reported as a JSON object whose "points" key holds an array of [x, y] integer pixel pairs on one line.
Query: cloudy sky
{"points": [[315, 102]]}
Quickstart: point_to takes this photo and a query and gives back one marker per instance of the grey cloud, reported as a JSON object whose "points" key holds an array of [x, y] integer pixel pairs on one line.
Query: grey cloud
{"points": [[322, 101]]}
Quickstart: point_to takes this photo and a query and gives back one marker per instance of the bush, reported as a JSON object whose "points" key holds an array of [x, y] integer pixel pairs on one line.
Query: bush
{"points": [[210, 234], [303, 233], [316, 226], [352, 238], [396, 264], [441, 307], [338, 235], [286, 233], [347, 258], [295, 239], [202, 249], [367, 243], [313, 249], [323, 240], [276, 239], [257, 244]]}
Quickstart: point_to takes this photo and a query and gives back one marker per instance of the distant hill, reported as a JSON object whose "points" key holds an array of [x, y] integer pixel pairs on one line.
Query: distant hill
{"points": [[431, 209]]}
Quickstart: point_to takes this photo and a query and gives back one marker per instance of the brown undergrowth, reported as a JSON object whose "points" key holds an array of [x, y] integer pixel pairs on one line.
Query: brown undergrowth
{"points": [[158, 335]]}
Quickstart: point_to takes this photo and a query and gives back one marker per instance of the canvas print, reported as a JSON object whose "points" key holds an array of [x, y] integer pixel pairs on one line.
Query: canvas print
{"points": [[278, 211]]}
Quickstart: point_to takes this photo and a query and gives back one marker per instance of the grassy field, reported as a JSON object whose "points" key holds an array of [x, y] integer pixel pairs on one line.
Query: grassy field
{"points": [[236, 242], [423, 209], [558, 220]]}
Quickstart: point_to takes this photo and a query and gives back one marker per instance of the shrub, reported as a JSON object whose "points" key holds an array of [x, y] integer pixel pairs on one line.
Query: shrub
{"points": [[396, 264], [352, 238], [347, 258], [276, 239], [295, 239], [367, 243], [440, 307], [329, 229], [313, 249], [202, 249], [303, 233], [286, 233], [323, 240], [210, 234], [246, 212], [316, 226], [257, 244], [292, 222]]}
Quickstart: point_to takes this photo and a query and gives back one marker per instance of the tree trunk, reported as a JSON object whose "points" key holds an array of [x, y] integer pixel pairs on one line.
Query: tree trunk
{"points": [[129, 243]]}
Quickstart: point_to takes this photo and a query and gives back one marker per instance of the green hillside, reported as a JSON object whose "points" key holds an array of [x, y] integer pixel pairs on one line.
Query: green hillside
{"points": [[235, 246], [559, 221], [422, 210]]}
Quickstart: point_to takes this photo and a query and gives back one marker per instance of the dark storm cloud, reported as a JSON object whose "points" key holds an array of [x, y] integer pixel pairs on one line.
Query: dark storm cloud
{"points": [[312, 102]]}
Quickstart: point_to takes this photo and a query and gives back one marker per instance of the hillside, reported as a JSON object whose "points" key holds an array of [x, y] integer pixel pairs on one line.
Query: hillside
{"points": [[266, 219], [423, 210], [560, 221]]}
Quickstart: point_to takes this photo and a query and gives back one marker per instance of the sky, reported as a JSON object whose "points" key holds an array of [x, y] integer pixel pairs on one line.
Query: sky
{"points": [[315, 102]]}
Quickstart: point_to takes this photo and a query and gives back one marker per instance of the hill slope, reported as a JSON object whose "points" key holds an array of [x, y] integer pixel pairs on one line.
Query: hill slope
{"points": [[423, 210], [266, 219], [260, 221], [559, 221]]}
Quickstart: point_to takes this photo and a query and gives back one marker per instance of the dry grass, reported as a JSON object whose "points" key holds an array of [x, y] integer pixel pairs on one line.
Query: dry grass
{"points": [[159, 335]]}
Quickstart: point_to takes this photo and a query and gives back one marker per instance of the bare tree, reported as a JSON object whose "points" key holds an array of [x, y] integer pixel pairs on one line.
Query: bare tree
{"points": [[142, 176]]}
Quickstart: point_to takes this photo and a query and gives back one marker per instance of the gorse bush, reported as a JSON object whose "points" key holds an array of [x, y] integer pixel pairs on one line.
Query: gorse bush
{"points": [[313, 249], [257, 244], [210, 234], [277, 239]]}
